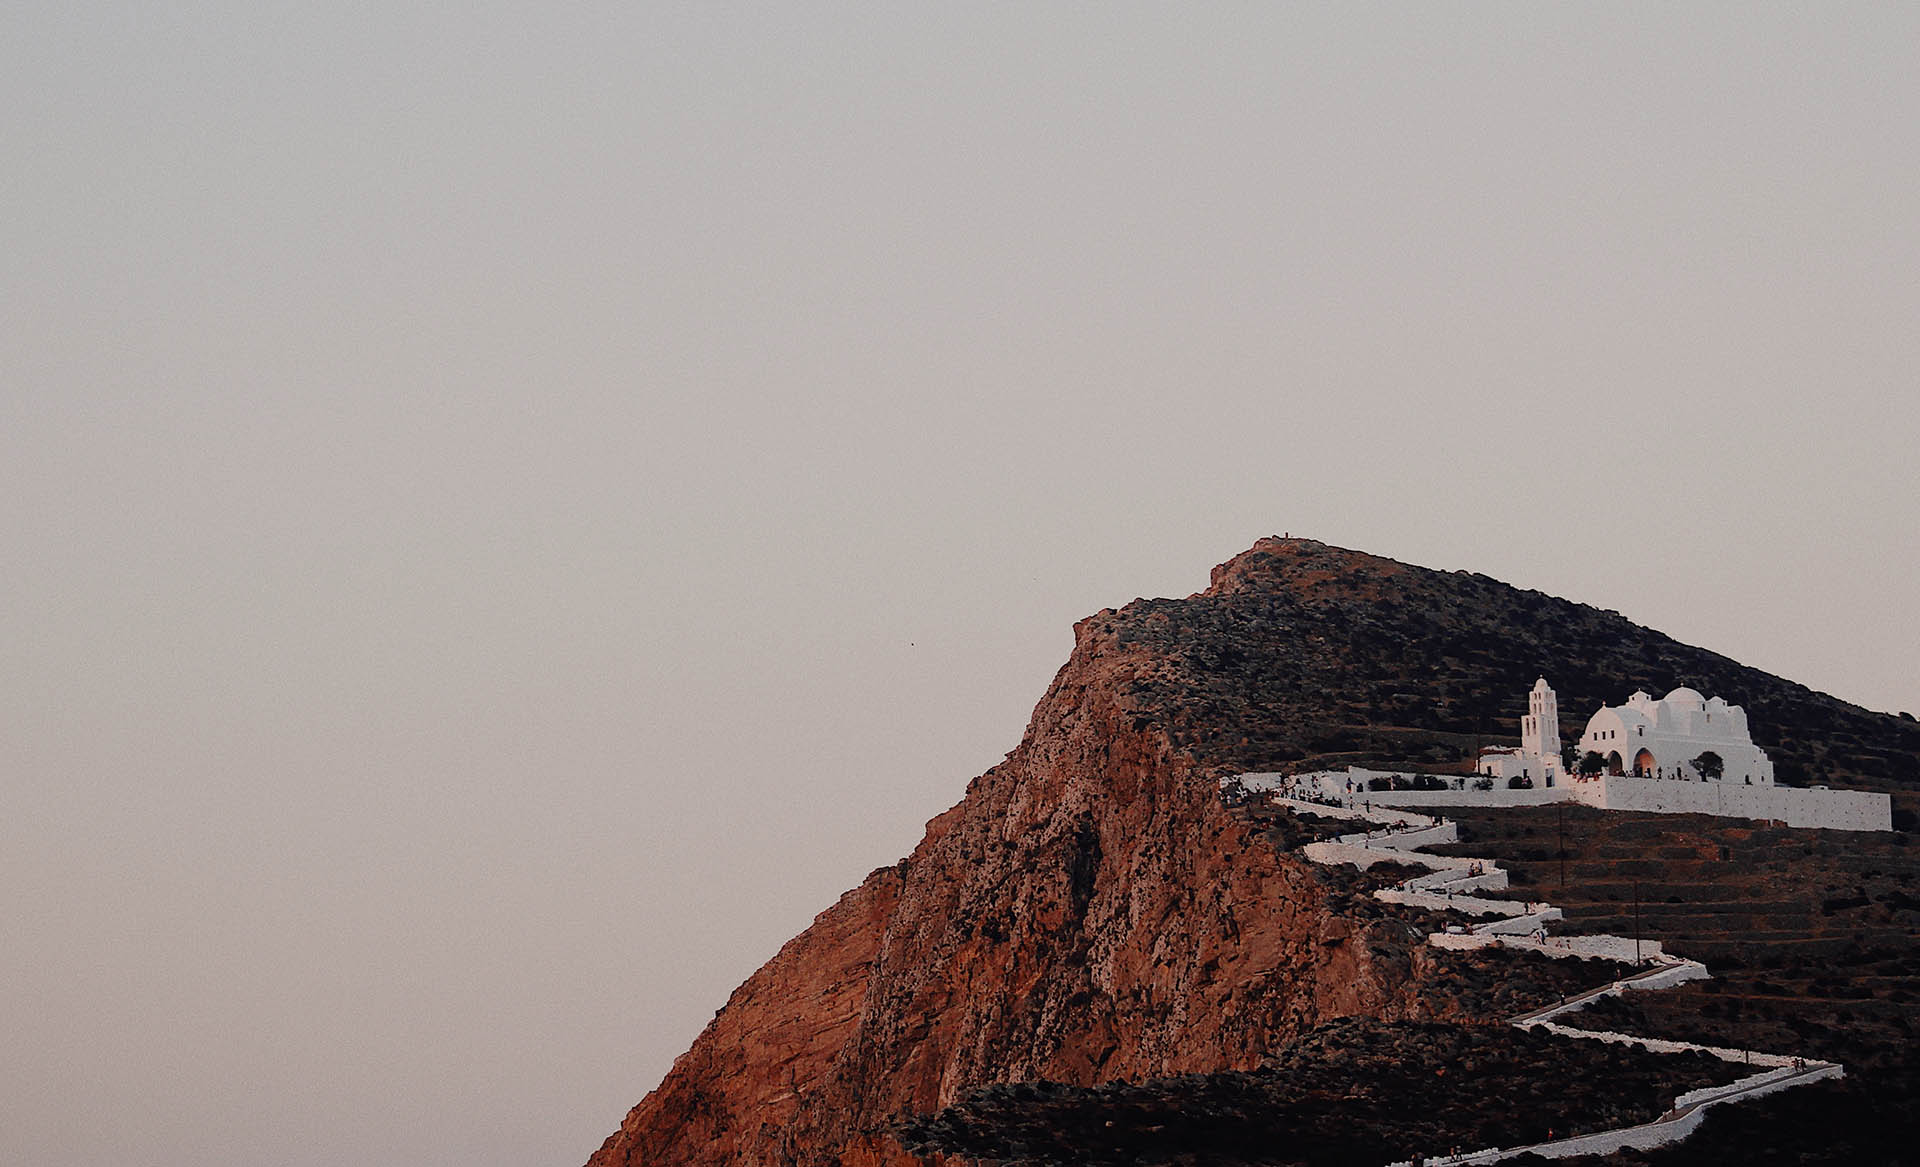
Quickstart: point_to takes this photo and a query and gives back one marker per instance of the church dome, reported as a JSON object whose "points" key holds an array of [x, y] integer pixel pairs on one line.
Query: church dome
{"points": [[1620, 718], [1685, 698]]}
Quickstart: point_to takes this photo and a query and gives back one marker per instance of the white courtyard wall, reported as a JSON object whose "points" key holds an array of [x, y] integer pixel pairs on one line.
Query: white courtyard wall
{"points": [[1843, 810]]}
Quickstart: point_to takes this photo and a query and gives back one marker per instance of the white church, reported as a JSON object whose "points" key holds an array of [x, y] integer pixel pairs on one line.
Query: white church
{"points": [[1663, 739], [1649, 753], [1642, 739]]}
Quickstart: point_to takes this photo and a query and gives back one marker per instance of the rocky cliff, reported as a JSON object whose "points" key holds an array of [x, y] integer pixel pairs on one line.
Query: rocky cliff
{"points": [[1091, 911]]}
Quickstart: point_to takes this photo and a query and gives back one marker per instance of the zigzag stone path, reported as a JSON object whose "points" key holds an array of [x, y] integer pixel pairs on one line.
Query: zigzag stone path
{"points": [[1455, 883]]}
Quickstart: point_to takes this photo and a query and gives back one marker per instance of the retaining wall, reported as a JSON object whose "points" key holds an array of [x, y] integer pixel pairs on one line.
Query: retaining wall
{"points": [[1559, 947], [1333, 783], [1451, 879], [1379, 815], [1521, 924], [1469, 905], [1661, 1045], [1837, 810], [1498, 796], [1335, 854], [1671, 1127], [1412, 839], [1678, 973]]}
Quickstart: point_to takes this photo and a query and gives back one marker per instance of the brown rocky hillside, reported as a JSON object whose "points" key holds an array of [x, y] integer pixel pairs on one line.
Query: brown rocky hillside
{"points": [[1092, 913]]}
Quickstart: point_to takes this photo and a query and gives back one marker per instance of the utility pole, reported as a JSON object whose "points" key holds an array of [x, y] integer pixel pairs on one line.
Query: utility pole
{"points": [[1636, 924], [1562, 808]]}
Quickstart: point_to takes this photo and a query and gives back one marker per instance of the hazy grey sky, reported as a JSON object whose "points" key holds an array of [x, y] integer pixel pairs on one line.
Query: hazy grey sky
{"points": [[509, 511]]}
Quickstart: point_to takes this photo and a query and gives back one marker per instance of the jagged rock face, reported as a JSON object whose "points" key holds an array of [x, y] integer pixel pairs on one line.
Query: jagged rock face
{"points": [[776, 1038], [1091, 912]]}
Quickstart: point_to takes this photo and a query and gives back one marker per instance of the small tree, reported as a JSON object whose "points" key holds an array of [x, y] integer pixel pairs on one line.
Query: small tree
{"points": [[1593, 763], [1709, 766], [1569, 756]]}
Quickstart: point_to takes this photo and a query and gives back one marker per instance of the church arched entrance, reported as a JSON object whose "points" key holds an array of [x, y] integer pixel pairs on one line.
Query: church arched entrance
{"points": [[1643, 763], [1613, 763]]}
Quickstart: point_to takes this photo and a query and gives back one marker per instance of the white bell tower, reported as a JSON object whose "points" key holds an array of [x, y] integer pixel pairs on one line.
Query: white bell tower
{"points": [[1540, 728]]}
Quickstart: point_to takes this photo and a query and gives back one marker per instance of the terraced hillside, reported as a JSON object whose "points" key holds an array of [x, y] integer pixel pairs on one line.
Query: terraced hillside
{"points": [[1813, 938], [1730, 892]]}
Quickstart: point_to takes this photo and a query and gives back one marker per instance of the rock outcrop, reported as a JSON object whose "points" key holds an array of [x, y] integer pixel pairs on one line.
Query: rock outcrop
{"points": [[1091, 912]]}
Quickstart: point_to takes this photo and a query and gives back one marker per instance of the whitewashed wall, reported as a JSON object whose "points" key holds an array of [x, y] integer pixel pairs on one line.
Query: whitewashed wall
{"points": [[1498, 796], [1620, 948], [1841, 810]]}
